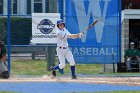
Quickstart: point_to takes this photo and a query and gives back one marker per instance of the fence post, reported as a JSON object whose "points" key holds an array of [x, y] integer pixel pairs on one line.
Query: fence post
{"points": [[61, 8], [8, 31], [52, 9], [51, 49], [51, 57], [113, 61]]}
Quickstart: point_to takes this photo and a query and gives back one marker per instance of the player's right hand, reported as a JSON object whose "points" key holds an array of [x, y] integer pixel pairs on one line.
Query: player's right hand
{"points": [[79, 35]]}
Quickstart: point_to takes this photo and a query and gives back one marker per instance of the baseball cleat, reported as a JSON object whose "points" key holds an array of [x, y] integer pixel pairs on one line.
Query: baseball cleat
{"points": [[74, 77], [53, 71]]}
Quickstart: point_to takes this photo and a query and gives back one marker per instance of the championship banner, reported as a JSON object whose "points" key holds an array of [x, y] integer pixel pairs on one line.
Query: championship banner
{"points": [[101, 43], [44, 27]]}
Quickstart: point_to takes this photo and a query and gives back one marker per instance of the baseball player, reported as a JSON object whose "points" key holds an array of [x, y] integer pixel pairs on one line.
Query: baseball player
{"points": [[3, 66], [62, 49]]}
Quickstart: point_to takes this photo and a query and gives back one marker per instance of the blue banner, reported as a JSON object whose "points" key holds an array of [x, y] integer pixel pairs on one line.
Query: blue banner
{"points": [[99, 43]]}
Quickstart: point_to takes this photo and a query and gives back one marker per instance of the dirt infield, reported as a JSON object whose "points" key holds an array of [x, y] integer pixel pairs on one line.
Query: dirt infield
{"points": [[97, 80]]}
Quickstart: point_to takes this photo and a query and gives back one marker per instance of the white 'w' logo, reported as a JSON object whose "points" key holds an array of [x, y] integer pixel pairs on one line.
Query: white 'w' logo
{"points": [[94, 9]]}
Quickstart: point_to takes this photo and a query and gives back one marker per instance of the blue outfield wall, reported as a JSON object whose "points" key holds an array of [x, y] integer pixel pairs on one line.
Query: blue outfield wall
{"points": [[101, 41]]}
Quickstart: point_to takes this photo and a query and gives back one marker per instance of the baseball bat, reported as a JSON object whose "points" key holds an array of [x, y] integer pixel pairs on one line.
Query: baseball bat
{"points": [[91, 25]]}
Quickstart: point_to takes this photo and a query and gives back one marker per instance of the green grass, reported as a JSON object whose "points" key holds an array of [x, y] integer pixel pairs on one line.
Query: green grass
{"points": [[8, 92], [29, 67], [111, 92], [39, 67]]}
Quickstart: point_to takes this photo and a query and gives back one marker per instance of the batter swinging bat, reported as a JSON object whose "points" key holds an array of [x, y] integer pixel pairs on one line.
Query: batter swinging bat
{"points": [[91, 25]]}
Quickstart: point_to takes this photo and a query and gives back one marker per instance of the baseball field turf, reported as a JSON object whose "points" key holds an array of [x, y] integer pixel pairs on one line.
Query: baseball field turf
{"points": [[89, 92], [39, 67]]}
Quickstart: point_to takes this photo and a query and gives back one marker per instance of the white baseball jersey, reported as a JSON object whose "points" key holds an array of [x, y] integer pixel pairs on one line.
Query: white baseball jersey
{"points": [[62, 36], [62, 48]]}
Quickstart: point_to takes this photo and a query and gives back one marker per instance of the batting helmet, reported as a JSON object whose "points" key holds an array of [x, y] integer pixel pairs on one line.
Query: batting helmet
{"points": [[60, 22]]}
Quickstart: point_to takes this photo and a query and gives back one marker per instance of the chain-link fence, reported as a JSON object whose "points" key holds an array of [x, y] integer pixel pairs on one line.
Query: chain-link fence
{"points": [[27, 58]]}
